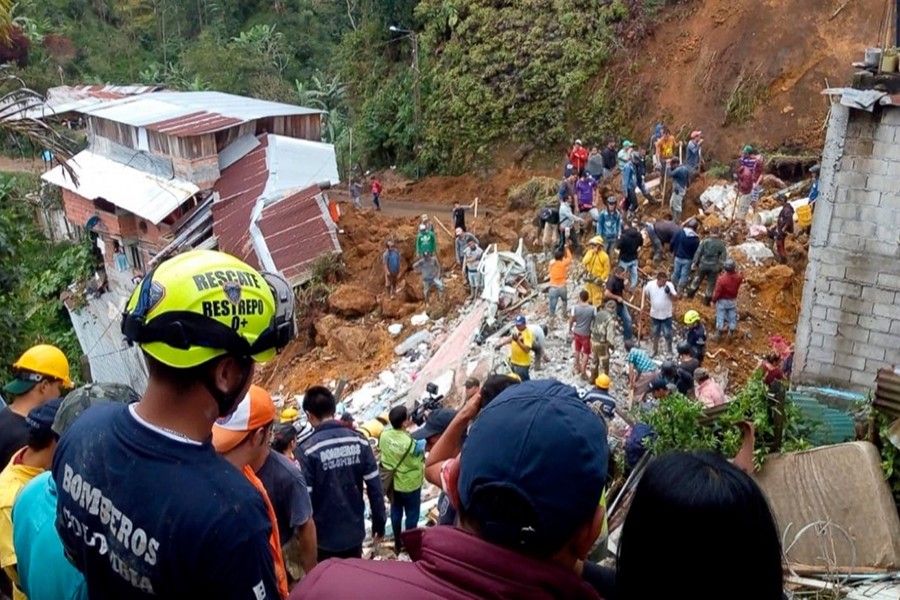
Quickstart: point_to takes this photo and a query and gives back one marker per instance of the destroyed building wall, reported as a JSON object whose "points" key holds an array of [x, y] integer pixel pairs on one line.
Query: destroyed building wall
{"points": [[849, 323]]}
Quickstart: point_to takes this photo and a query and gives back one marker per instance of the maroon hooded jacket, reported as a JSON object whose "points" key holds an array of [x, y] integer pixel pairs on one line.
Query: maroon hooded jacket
{"points": [[448, 564]]}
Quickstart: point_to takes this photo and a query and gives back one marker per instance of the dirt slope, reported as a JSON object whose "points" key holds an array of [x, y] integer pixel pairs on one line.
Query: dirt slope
{"points": [[782, 51]]}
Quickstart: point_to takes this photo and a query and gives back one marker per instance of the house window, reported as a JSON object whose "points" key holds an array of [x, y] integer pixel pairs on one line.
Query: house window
{"points": [[134, 253]]}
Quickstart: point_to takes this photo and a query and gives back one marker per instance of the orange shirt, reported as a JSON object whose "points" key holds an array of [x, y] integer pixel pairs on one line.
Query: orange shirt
{"points": [[274, 542], [559, 270]]}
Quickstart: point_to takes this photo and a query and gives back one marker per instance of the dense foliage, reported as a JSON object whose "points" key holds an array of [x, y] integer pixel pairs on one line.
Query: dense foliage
{"points": [[33, 273], [493, 77], [677, 422]]}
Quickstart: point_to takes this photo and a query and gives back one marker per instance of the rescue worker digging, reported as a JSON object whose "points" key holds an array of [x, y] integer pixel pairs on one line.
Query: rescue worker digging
{"points": [[521, 341]]}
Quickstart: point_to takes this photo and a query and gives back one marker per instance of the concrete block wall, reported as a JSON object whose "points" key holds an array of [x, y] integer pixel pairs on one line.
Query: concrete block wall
{"points": [[850, 317]]}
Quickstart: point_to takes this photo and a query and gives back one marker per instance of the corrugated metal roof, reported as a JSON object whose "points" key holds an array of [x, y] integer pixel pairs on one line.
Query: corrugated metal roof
{"points": [[297, 230], [192, 113], [147, 196], [887, 392], [279, 217], [66, 98]]}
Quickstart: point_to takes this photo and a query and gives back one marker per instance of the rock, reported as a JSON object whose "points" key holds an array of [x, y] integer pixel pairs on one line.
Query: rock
{"points": [[395, 328], [396, 307], [420, 319], [324, 326], [412, 289], [352, 343], [352, 301]]}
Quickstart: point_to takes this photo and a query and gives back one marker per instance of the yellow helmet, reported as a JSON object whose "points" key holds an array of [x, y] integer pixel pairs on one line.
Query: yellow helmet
{"points": [[691, 317], [597, 239], [203, 304], [514, 376], [289, 415], [603, 381], [44, 359]]}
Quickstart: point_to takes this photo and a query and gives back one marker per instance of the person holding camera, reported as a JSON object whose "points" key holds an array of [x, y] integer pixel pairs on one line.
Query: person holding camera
{"points": [[403, 460], [660, 293]]}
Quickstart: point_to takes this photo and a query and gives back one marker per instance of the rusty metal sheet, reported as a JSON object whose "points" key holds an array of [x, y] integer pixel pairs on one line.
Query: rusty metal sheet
{"points": [[887, 392]]}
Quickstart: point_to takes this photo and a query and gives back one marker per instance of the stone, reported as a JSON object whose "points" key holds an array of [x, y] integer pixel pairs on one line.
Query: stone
{"points": [[395, 308], [324, 326], [352, 343], [412, 288], [352, 301]]}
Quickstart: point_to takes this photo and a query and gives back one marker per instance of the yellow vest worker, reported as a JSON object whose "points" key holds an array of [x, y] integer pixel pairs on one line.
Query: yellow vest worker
{"points": [[596, 264]]}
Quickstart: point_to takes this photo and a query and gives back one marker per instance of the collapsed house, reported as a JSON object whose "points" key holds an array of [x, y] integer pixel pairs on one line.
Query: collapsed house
{"points": [[169, 171]]}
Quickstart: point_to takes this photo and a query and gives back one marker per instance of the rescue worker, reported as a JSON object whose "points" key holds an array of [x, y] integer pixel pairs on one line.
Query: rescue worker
{"points": [[783, 227], [599, 394], [708, 260], [695, 336], [39, 375], [289, 414], [725, 297], [596, 269], [603, 336], [609, 224]]}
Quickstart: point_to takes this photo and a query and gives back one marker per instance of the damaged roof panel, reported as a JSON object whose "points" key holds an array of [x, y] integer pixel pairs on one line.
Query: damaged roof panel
{"points": [[195, 123], [293, 226]]}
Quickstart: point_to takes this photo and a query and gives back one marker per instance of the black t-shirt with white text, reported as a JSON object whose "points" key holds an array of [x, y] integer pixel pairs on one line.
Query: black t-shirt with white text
{"points": [[145, 514]]}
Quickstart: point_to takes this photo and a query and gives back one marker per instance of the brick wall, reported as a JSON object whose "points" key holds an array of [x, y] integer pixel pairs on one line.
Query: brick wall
{"points": [[850, 317]]}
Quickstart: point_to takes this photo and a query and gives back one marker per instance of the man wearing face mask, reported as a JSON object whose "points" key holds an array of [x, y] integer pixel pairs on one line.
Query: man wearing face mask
{"points": [[147, 508]]}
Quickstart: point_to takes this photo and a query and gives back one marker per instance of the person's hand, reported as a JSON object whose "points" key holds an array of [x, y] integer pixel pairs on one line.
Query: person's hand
{"points": [[470, 409]]}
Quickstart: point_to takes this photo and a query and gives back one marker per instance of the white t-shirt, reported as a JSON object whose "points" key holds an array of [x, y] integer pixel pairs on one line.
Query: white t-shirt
{"points": [[660, 302]]}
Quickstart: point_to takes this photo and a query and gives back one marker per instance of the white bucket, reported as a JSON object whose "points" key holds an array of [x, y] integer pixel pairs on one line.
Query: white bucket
{"points": [[768, 217], [873, 57]]}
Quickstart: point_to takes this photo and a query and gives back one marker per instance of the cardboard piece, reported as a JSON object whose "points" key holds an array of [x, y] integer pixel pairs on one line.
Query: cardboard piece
{"points": [[843, 484]]}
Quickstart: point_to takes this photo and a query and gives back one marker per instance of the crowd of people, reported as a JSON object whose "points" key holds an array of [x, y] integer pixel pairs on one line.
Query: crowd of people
{"points": [[199, 488]]}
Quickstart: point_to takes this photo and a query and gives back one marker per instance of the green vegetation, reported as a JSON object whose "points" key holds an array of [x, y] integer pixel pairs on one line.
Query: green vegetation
{"points": [[33, 273], [490, 77], [677, 423], [748, 93]]}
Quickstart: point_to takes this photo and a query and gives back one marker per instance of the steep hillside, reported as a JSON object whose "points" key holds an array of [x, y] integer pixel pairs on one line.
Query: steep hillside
{"points": [[750, 71]]}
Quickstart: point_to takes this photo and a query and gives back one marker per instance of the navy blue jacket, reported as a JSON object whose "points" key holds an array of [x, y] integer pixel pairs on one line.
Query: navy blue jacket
{"points": [[685, 246], [336, 461]]}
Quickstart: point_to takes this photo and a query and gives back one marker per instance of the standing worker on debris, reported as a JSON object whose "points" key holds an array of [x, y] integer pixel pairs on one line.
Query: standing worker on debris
{"points": [[472, 256], [595, 164], [521, 341], [355, 192], [404, 458], [390, 262], [615, 290], [660, 293], [426, 241], [609, 158], [596, 269], [609, 224], [377, 188], [814, 190], [684, 247], [711, 254], [548, 227], [580, 322], [725, 297], [460, 243], [567, 220], [559, 276], [639, 160], [578, 157], [430, 269], [681, 177], [337, 463], [695, 336], [539, 335], [692, 157], [603, 337], [664, 149], [458, 215], [629, 183], [585, 189], [783, 226], [629, 244]]}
